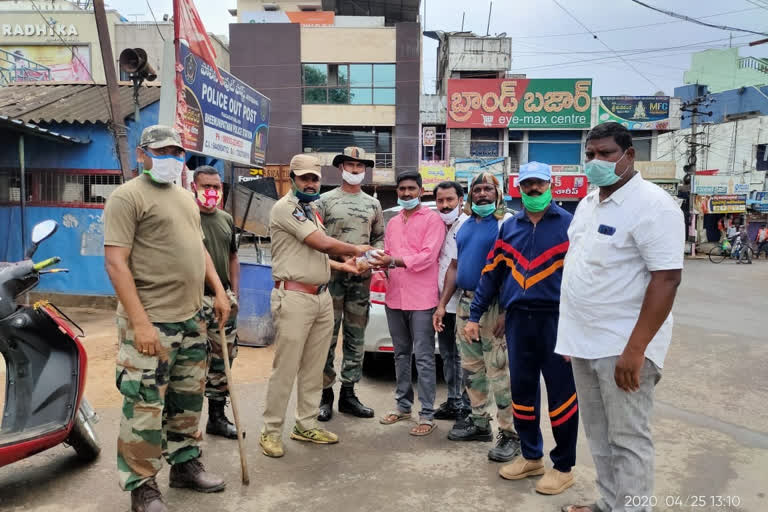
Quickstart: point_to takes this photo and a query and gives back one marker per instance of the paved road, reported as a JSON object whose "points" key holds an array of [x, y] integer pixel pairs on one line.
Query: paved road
{"points": [[711, 432]]}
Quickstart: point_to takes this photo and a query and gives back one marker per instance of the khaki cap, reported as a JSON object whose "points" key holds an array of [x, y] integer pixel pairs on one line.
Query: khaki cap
{"points": [[160, 136], [305, 164]]}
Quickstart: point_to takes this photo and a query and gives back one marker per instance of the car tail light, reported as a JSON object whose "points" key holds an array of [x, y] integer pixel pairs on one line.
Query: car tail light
{"points": [[378, 288], [387, 349]]}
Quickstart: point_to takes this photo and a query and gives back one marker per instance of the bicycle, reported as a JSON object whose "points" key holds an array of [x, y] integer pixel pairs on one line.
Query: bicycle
{"points": [[736, 251]]}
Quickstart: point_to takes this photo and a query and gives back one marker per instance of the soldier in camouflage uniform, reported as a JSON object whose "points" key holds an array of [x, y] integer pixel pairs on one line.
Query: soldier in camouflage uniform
{"points": [[352, 216], [219, 230], [162, 353], [484, 359]]}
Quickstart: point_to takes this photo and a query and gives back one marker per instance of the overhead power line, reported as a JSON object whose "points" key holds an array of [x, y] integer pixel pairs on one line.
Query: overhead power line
{"points": [[608, 47], [697, 21]]}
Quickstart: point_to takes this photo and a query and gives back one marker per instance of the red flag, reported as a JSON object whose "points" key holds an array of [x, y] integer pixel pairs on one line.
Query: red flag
{"points": [[188, 26]]}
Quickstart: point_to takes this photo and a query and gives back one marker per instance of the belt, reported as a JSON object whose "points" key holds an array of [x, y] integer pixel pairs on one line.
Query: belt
{"points": [[295, 286]]}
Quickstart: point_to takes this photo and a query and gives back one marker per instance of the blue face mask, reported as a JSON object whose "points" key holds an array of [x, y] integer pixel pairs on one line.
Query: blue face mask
{"points": [[484, 210], [303, 197], [602, 173], [409, 204]]}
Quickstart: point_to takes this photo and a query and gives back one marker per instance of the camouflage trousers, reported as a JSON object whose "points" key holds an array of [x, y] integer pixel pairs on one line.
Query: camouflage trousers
{"points": [[162, 399], [351, 307], [216, 386], [486, 365]]}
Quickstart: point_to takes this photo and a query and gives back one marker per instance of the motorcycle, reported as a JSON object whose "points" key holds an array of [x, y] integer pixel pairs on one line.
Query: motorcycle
{"points": [[45, 366]]}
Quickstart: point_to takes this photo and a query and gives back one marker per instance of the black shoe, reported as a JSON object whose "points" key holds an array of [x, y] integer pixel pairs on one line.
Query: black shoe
{"points": [[446, 411], [507, 447], [326, 405], [147, 498], [218, 424], [350, 404], [193, 475], [468, 431]]}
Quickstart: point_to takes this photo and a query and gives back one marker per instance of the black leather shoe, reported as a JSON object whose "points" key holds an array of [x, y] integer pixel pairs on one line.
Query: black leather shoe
{"points": [[218, 424], [193, 475], [147, 498], [468, 431], [507, 447], [350, 404], [326, 405], [446, 411]]}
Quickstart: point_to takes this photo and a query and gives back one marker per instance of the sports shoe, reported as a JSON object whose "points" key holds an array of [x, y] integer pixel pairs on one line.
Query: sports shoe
{"points": [[522, 468], [271, 445], [554, 482], [314, 435]]}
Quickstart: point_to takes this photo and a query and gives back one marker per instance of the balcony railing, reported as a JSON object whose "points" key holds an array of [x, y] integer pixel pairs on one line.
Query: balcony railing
{"points": [[753, 63]]}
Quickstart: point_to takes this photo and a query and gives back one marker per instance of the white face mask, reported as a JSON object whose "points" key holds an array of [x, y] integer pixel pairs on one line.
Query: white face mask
{"points": [[352, 179], [166, 168], [450, 217]]}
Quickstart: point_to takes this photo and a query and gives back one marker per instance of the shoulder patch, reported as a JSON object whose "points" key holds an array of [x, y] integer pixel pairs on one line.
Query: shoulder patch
{"points": [[299, 214]]}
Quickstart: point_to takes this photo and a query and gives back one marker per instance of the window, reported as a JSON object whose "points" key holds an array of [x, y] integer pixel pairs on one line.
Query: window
{"points": [[353, 84], [641, 141], [516, 142], [377, 142], [60, 187], [762, 158], [436, 152], [484, 142]]}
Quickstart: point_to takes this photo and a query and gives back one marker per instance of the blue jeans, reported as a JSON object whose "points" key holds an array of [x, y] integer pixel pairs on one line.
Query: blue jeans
{"points": [[412, 334]]}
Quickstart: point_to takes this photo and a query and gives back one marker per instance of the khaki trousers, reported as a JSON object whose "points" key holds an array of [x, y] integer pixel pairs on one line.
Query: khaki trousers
{"points": [[303, 324]]}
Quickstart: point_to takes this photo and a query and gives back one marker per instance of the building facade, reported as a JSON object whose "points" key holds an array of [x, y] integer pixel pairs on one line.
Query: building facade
{"points": [[724, 69], [354, 80]]}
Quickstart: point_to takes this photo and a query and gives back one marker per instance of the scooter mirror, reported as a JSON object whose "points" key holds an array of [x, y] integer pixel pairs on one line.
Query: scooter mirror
{"points": [[43, 230]]}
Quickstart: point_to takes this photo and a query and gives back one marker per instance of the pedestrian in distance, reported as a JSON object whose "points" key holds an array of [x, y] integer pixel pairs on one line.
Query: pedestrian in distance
{"points": [[449, 197], [301, 307], [524, 269], [219, 230], [761, 239], [622, 271], [352, 216], [484, 360], [162, 350], [412, 242]]}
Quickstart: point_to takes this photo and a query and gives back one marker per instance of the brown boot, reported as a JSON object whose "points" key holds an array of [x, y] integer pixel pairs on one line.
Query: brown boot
{"points": [[192, 474], [147, 498]]}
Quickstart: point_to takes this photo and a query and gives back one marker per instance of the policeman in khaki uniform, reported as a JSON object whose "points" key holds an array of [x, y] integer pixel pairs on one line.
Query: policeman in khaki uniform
{"points": [[302, 308]]}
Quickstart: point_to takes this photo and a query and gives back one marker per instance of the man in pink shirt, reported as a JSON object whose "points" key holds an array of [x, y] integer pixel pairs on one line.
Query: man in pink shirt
{"points": [[413, 241]]}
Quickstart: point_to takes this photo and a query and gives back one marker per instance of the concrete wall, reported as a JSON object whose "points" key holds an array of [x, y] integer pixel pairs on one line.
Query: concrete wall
{"points": [[288, 6], [348, 115], [83, 22], [719, 70], [479, 53], [267, 57], [336, 44], [432, 108], [408, 90], [79, 242], [732, 149]]}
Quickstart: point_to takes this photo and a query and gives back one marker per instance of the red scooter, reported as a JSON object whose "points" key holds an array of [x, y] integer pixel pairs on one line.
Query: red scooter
{"points": [[45, 367]]}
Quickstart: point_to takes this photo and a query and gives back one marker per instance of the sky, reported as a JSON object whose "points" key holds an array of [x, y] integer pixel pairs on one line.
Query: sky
{"points": [[637, 51]]}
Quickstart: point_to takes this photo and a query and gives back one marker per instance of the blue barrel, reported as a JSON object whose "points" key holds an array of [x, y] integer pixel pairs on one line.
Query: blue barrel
{"points": [[254, 320]]}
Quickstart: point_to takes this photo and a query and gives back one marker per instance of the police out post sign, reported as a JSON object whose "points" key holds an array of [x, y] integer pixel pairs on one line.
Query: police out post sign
{"points": [[227, 120]]}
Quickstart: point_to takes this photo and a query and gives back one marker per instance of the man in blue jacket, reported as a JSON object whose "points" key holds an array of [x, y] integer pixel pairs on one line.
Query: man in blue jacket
{"points": [[524, 269]]}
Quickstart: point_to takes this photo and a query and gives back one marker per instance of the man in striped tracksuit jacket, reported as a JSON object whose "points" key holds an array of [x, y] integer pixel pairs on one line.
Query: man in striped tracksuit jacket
{"points": [[525, 269]]}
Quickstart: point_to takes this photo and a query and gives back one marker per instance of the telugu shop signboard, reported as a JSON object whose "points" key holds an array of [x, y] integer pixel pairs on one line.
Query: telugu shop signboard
{"points": [[227, 120], [520, 103], [635, 112]]}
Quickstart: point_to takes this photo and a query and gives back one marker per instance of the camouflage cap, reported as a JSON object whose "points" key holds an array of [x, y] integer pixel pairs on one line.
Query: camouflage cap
{"points": [[305, 164], [159, 136], [352, 154]]}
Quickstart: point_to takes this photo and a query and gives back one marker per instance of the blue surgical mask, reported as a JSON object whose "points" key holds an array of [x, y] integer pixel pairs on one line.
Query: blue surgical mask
{"points": [[602, 173], [409, 204], [484, 210]]}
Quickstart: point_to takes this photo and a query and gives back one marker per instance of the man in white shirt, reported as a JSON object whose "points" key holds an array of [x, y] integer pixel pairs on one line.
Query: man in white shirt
{"points": [[621, 274], [449, 198]]}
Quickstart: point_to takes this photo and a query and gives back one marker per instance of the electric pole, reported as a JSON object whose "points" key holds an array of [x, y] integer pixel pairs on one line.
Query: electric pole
{"points": [[118, 119], [693, 107]]}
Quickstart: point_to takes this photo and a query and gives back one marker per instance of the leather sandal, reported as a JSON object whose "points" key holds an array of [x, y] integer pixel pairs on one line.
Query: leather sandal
{"points": [[394, 416], [416, 432]]}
